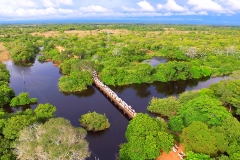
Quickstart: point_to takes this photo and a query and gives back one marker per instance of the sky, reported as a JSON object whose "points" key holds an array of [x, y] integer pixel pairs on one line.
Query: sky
{"points": [[156, 11]]}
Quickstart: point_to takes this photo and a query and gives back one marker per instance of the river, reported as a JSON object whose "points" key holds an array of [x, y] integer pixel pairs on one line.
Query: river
{"points": [[41, 80]]}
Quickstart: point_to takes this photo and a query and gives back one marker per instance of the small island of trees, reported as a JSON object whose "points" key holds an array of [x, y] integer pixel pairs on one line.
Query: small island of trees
{"points": [[93, 121], [22, 99]]}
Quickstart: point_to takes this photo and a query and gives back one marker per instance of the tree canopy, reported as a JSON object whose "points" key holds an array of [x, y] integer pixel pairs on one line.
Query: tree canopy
{"points": [[93, 121], [55, 139], [145, 136], [165, 106], [22, 99]]}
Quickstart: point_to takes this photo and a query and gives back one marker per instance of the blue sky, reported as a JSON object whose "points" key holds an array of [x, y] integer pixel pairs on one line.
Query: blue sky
{"points": [[206, 11]]}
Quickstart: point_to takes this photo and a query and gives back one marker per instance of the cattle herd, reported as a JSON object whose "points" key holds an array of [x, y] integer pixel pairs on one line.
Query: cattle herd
{"points": [[113, 94]]}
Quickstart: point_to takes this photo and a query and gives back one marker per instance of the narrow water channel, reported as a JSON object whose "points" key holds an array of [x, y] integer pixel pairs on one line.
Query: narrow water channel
{"points": [[41, 80]]}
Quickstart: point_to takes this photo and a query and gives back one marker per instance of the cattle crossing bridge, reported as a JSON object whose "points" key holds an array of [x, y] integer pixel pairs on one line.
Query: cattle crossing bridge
{"points": [[113, 96]]}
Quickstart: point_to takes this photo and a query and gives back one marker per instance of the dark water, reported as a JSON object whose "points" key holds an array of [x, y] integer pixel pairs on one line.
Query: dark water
{"points": [[41, 81], [156, 60]]}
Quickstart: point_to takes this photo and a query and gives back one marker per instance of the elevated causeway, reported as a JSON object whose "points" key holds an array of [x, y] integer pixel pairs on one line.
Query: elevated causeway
{"points": [[113, 96]]}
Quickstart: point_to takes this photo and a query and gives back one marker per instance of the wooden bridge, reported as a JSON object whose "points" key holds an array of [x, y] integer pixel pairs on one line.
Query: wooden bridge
{"points": [[113, 96]]}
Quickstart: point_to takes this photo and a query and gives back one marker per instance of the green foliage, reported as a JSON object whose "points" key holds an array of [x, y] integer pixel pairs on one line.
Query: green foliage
{"points": [[205, 109], [176, 124], [174, 70], [24, 50], [196, 156], [228, 91], [199, 138], [5, 152], [6, 93], [13, 123], [42, 58], [186, 96], [165, 106], [22, 99], [3, 117], [44, 112], [135, 73], [16, 123], [75, 65], [76, 81], [94, 121], [4, 73], [55, 139], [146, 136]]}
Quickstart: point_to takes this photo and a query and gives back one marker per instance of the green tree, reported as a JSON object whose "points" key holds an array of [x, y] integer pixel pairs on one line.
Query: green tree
{"points": [[228, 92], [4, 73], [22, 99], [94, 121], [146, 136], [196, 156], [6, 93], [176, 124], [199, 138], [164, 106], [5, 151], [55, 139], [44, 112], [76, 81], [205, 109], [17, 122]]}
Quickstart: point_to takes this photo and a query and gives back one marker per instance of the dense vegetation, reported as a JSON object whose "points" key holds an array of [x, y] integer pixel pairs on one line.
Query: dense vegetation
{"points": [[76, 81], [22, 99], [202, 120], [194, 51], [94, 121], [145, 136], [6, 93], [55, 139]]}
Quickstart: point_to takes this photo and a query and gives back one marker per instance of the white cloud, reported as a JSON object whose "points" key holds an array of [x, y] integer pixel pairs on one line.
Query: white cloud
{"points": [[171, 5], [145, 6], [129, 9], [233, 4], [93, 9], [48, 3], [31, 13], [17, 4], [205, 5], [159, 6], [56, 3]]}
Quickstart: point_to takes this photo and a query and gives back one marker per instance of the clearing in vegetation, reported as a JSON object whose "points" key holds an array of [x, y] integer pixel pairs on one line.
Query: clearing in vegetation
{"points": [[4, 53]]}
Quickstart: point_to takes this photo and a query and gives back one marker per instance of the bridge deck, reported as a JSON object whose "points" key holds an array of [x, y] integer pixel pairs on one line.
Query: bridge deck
{"points": [[113, 97]]}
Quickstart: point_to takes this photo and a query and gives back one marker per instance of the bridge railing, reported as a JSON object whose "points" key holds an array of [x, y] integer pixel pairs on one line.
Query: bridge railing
{"points": [[113, 95]]}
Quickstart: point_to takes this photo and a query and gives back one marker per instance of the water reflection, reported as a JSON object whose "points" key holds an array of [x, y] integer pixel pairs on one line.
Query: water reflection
{"points": [[177, 87], [25, 63], [86, 93], [142, 90], [156, 60]]}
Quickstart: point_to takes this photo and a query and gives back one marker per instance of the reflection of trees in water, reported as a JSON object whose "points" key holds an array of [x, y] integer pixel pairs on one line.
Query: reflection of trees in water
{"points": [[10, 109], [141, 89], [24, 63], [119, 89], [86, 93], [177, 87], [170, 88]]}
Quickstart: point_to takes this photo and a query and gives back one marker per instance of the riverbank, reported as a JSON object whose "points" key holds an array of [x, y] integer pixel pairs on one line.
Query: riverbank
{"points": [[4, 53]]}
